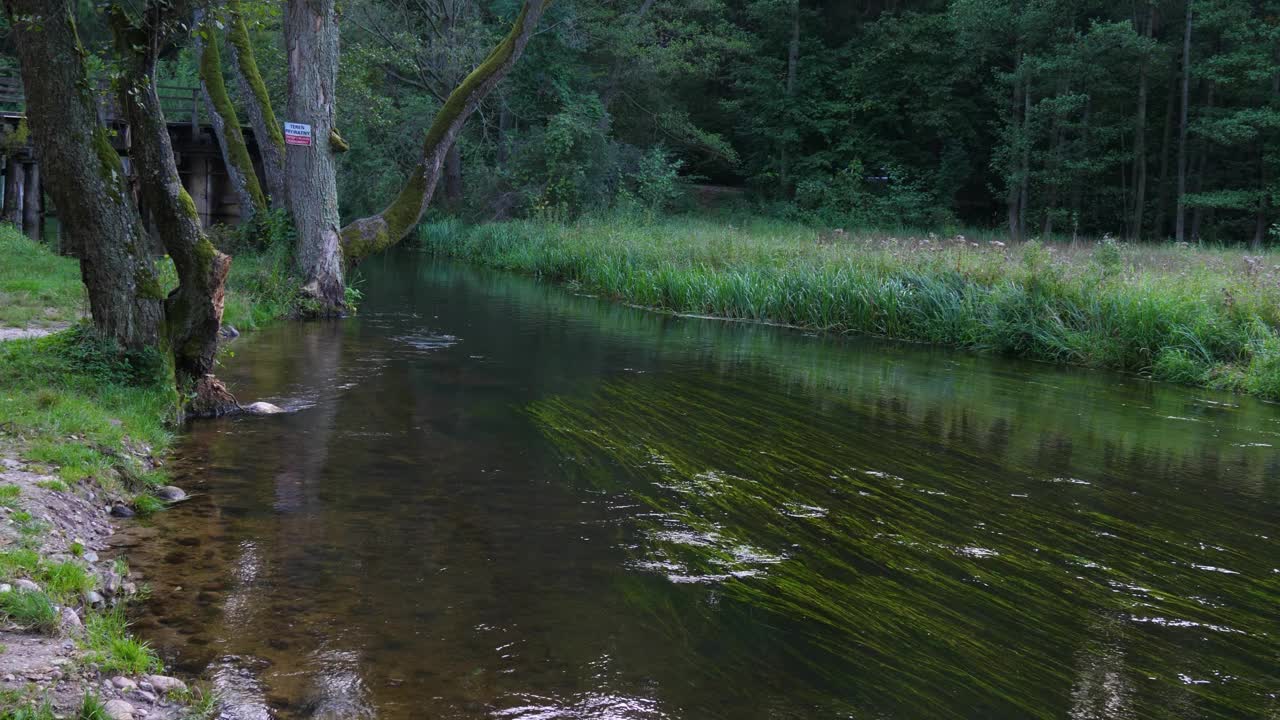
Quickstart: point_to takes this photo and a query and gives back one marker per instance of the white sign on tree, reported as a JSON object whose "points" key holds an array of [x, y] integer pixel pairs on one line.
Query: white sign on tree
{"points": [[297, 134]]}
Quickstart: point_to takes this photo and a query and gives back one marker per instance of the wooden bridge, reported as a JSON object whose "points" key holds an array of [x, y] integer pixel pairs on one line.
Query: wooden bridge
{"points": [[195, 147]]}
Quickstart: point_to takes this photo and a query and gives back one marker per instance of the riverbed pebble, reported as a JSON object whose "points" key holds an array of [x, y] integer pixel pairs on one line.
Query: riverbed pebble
{"points": [[121, 682], [70, 620], [25, 584], [171, 493], [121, 511], [165, 684], [118, 710]]}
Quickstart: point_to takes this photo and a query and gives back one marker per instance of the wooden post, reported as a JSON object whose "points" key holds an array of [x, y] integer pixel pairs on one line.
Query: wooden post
{"points": [[14, 185], [199, 190], [31, 206], [195, 115]]}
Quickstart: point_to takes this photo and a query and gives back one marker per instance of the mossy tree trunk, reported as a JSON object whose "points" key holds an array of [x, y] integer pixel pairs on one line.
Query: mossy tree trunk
{"points": [[311, 42], [193, 311], [257, 105], [84, 174], [378, 232], [226, 123]]}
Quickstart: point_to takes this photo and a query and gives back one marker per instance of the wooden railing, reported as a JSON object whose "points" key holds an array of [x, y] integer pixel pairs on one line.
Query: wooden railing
{"points": [[181, 103]]}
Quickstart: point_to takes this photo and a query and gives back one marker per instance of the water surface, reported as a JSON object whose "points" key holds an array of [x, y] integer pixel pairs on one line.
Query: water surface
{"points": [[496, 498]]}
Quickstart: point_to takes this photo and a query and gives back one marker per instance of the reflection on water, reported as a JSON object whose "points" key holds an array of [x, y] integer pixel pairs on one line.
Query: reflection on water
{"points": [[496, 499]]}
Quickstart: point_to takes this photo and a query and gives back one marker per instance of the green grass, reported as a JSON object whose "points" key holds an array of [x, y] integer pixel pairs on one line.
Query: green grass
{"points": [[64, 582], [146, 504], [29, 610], [15, 563], [78, 405], [108, 644], [91, 708], [41, 711], [9, 495], [1198, 316], [37, 287], [66, 579]]}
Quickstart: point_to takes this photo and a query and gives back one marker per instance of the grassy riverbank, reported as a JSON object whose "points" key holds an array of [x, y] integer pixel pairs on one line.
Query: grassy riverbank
{"points": [[1177, 313], [81, 427]]}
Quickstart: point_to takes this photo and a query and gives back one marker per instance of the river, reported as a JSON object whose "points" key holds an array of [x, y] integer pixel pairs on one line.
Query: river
{"points": [[494, 497]]}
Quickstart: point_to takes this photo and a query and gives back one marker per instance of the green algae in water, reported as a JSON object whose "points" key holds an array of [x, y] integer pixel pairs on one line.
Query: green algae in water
{"points": [[921, 562]]}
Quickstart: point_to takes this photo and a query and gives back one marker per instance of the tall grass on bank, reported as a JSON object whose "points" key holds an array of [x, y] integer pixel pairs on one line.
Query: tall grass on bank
{"points": [[1177, 313]]}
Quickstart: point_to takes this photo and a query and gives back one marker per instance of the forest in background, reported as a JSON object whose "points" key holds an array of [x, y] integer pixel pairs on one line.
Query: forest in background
{"points": [[1045, 117]]}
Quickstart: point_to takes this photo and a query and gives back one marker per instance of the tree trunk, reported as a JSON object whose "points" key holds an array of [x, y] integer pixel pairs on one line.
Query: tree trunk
{"points": [[311, 40], [226, 124], [31, 196], [193, 311], [1180, 232], [257, 104], [1140, 140], [1077, 187], [1013, 198], [1162, 200], [378, 232], [15, 184], [1024, 171], [793, 70], [453, 178], [504, 127], [1200, 169], [85, 174]]}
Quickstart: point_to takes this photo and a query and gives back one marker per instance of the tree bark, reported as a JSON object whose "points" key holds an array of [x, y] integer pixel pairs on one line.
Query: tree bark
{"points": [[793, 70], [378, 232], [1162, 199], [193, 311], [86, 177], [226, 124], [1013, 197], [453, 178], [1024, 171], [1077, 188], [1140, 140], [257, 104], [311, 40], [1180, 232], [1200, 169], [15, 184], [31, 196]]}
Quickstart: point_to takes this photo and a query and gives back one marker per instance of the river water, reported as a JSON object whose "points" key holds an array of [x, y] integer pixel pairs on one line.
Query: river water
{"points": [[496, 498]]}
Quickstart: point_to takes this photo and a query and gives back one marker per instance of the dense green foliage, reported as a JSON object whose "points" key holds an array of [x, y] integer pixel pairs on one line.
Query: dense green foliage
{"points": [[1044, 117], [1192, 316]]}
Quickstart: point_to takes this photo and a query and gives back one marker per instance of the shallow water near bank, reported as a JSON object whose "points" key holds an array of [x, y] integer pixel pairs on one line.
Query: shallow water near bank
{"points": [[497, 499]]}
